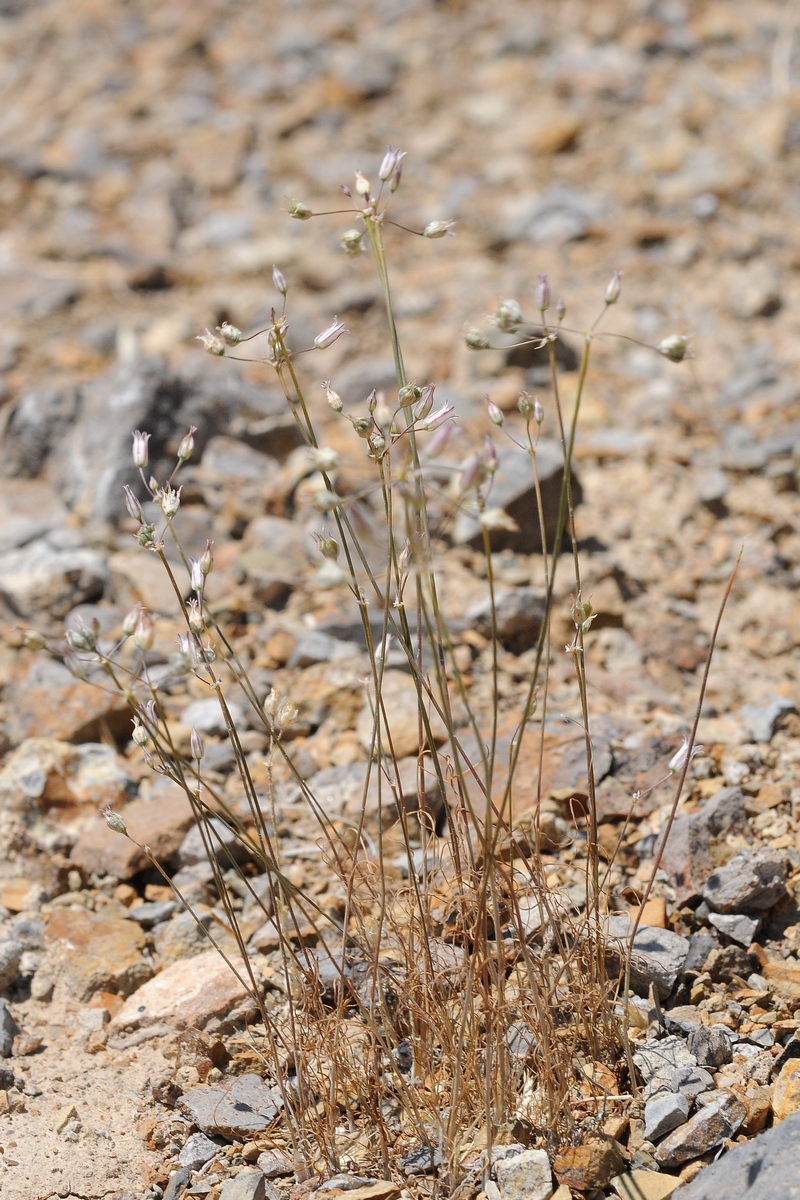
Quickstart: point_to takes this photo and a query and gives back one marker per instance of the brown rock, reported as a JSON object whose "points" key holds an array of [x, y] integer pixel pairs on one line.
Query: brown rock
{"points": [[783, 977], [50, 702], [139, 578], [94, 953], [709, 1127], [786, 1090], [590, 1166], [401, 703], [381, 1189], [159, 822], [48, 772], [185, 995]]}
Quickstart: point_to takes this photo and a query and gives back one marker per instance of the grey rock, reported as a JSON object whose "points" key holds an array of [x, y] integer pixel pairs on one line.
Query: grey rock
{"points": [[750, 881], [29, 509], [687, 857], [197, 1151], [230, 460], [235, 1111], [710, 1045], [346, 1183], [708, 1128], [315, 646], [525, 1176], [422, 1161], [571, 771], [44, 576], [761, 1037], [561, 214], [39, 421], [668, 1065], [657, 958], [272, 1164], [11, 952], [249, 1184], [513, 490], [761, 722], [224, 843], [519, 613], [722, 965], [273, 558], [762, 1169], [206, 716], [178, 1183], [663, 1113], [700, 946], [8, 1030], [151, 913], [736, 926]]}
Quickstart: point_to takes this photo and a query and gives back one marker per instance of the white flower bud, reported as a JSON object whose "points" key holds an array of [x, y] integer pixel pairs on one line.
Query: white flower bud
{"points": [[230, 334], [474, 339], [391, 164], [325, 459], [197, 745], [186, 448], [133, 506], [614, 288], [538, 411], [207, 559], [115, 821], [140, 450], [508, 316], [495, 414], [352, 242], [498, 518], [437, 229], [362, 184], [279, 281], [143, 634], [334, 399], [139, 735], [543, 294], [300, 211], [170, 501], [272, 703], [674, 348], [329, 335]]}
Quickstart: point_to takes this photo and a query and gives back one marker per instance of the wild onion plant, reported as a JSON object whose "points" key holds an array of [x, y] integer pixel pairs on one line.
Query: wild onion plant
{"points": [[466, 1000]]}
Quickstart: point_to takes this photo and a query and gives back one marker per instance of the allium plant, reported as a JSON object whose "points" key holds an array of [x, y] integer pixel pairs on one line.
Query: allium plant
{"points": [[469, 1000]]}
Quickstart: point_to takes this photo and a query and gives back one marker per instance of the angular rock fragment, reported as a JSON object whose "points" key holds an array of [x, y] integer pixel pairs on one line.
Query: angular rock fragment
{"points": [[185, 995], [663, 1113], [657, 958], [95, 953], [237, 1110], [752, 881], [708, 1128], [762, 1169], [689, 853]]}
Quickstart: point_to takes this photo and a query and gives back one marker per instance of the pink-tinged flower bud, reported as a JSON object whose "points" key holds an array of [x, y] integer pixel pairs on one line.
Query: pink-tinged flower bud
{"points": [[391, 164], [561, 308], [674, 348], [442, 414], [489, 455], [352, 243], [197, 576], [229, 333], [334, 399], [471, 473], [372, 401], [140, 450], [300, 211], [495, 414], [425, 402], [114, 821], [130, 622], [196, 743], [678, 760], [437, 229], [362, 184], [329, 335], [614, 288], [538, 411], [543, 293], [207, 559], [133, 506], [211, 343], [440, 440], [186, 448], [139, 735], [143, 634], [508, 316], [279, 281], [474, 339]]}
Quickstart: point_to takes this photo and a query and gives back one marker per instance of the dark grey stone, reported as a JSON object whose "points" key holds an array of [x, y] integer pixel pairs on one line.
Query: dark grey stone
{"points": [[764, 1169], [657, 958], [177, 1184], [236, 1111], [710, 1045], [761, 722], [752, 881], [223, 841], [197, 1151], [663, 1113], [148, 915], [8, 1030], [519, 613], [422, 1161], [513, 490], [687, 857]]}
